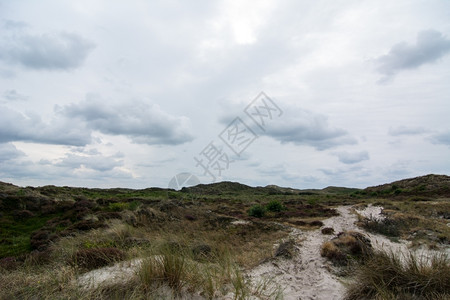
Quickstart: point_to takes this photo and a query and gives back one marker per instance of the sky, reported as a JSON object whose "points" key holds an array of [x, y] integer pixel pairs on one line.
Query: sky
{"points": [[302, 94]]}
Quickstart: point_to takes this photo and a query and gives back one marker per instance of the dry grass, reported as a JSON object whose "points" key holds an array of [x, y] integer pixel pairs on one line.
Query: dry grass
{"points": [[175, 260], [386, 275], [346, 247]]}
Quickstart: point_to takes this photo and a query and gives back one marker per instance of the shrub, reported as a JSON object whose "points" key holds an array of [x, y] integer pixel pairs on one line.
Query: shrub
{"points": [[118, 206], [257, 211], [94, 258], [274, 206], [386, 275], [134, 205], [327, 230], [387, 226]]}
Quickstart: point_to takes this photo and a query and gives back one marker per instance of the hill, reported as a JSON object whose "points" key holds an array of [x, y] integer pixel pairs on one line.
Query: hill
{"points": [[428, 185]]}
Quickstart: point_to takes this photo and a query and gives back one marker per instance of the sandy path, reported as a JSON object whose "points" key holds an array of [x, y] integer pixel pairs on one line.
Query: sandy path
{"points": [[306, 276]]}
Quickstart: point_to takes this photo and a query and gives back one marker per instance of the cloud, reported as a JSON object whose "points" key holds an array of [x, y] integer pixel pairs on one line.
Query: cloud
{"points": [[441, 138], [405, 130], [430, 46], [96, 162], [62, 51], [73, 124], [142, 123], [13, 95], [15, 126], [8, 151], [303, 127], [352, 158]]}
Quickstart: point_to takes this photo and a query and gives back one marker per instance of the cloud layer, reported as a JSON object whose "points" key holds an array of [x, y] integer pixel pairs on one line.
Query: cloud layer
{"points": [[430, 46], [303, 127], [74, 124], [60, 51]]}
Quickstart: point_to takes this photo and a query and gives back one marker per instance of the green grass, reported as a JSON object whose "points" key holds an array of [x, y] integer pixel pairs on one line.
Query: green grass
{"points": [[15, 235]]}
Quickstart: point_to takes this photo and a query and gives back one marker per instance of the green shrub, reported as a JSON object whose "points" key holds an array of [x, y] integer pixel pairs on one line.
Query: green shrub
{"points": [[118, 206], [134, 205], [257, 211], [274, 206]]}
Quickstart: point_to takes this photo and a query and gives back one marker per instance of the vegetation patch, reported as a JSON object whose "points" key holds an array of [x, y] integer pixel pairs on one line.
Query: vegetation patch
{"points": [[346, 247], [388, 275], [94, 258]]}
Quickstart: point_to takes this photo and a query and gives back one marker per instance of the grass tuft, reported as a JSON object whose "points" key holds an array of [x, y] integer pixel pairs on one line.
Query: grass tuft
{"points": [[386, 275]]}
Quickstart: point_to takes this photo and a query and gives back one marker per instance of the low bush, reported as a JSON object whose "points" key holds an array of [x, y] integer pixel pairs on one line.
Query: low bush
{"points": [[118, 206], [257, 211], [387, 226], [274, 206]]}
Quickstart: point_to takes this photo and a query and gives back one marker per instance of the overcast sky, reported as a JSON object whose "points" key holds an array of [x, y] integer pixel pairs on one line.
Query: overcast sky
{"points": [[132, 93]]}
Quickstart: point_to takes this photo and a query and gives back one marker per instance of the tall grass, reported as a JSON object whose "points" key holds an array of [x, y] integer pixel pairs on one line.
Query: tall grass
{"points": [[388, 275]]}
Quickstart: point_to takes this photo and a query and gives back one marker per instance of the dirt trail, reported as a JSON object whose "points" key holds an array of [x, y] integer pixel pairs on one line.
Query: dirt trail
{"points": [[306, 276]]}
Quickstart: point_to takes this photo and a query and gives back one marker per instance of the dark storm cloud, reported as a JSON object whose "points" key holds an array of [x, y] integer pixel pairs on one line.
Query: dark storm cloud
{"points": [[62, 51], [352, 158], [430, 46], [138, 121], [15, 126], [404, 130], [308, 128]]}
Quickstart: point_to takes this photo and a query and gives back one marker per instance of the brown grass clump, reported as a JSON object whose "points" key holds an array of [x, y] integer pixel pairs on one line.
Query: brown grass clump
{"points": [[331, 251], [94, 258], [346, 246], [386, 275]]}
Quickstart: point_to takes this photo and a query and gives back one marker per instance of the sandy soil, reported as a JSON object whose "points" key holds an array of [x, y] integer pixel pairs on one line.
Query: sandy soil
{"points": [[306, 276]]}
